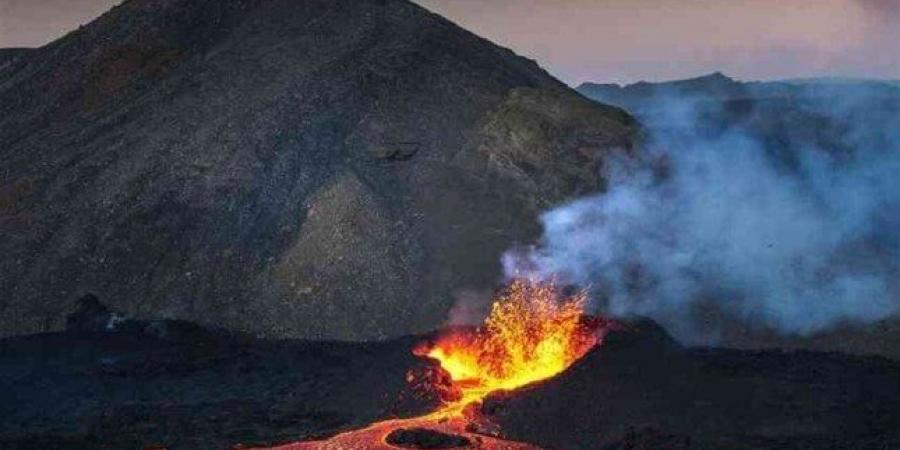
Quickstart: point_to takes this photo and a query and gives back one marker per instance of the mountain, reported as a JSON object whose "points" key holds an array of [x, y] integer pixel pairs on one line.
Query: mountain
{"points": [[332, 169], [718, 87]]}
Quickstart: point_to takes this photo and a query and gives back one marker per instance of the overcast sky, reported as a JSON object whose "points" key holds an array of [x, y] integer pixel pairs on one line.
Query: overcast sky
{"points": [[622, 40]]}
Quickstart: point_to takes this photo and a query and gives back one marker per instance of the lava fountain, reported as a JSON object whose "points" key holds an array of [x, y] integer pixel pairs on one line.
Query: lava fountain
{"points": [[533, 332]]}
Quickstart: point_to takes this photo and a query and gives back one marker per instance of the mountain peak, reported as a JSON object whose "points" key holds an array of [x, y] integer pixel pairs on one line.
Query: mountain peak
{"points": [[716, 76]]}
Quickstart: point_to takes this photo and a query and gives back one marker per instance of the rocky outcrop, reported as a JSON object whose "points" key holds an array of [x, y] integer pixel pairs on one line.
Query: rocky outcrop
{"points": [[321, 169]]}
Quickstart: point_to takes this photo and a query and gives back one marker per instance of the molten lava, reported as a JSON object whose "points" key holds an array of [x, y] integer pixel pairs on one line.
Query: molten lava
{"points": [[532, 333]]}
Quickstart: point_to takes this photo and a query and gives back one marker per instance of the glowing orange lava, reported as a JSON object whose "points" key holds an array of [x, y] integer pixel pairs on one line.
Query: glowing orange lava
{"points": [[532, 333]]}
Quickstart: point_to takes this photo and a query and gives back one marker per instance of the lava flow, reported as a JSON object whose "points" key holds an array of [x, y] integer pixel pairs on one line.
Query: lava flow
{"points": [[533, 333]]}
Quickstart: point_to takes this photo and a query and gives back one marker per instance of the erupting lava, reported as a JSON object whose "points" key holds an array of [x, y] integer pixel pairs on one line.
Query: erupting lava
{"points": [[532, 333]]}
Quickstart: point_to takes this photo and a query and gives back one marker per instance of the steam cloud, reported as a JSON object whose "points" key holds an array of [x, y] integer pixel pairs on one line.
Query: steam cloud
{"points": [[797, 234]]}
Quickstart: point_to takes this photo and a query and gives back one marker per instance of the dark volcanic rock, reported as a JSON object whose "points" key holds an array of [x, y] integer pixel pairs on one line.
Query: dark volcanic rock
{"points": [[650, 439], [91, 316], [324, 168], [640, 389], [134, 389], [9, 56], [425, 438]]}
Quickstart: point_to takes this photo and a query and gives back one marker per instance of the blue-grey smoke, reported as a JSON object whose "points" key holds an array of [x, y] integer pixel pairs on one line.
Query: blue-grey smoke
{"points": [[784, 218]]}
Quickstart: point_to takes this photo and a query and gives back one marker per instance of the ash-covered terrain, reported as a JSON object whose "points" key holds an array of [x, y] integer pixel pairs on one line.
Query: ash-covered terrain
{"points": [[111, 382]]}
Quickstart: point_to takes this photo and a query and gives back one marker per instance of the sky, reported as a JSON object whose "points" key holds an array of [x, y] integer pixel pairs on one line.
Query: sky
{"points": [[622, 40]]}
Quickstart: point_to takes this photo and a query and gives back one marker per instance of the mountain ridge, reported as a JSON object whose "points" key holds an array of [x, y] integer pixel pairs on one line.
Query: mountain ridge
{"points": [[721, 87]]}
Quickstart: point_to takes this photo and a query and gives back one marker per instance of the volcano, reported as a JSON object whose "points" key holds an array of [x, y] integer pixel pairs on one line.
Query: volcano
{"points": [[533, 333], [312, 169], [267, 209]]}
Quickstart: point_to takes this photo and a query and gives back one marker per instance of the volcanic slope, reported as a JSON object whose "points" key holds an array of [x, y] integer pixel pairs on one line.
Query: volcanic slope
{"points": [[642, 390], [320, 169]]}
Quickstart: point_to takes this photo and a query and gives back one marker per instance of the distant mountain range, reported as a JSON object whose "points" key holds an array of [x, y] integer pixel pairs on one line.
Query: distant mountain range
{"points": [[718, 86]]}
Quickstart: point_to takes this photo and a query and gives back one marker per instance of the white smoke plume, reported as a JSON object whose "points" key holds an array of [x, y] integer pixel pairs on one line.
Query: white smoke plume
{"points": [[797, 242]]}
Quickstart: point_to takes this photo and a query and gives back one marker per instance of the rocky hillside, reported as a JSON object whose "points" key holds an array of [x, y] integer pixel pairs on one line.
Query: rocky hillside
{"points": [[317, 168]]}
